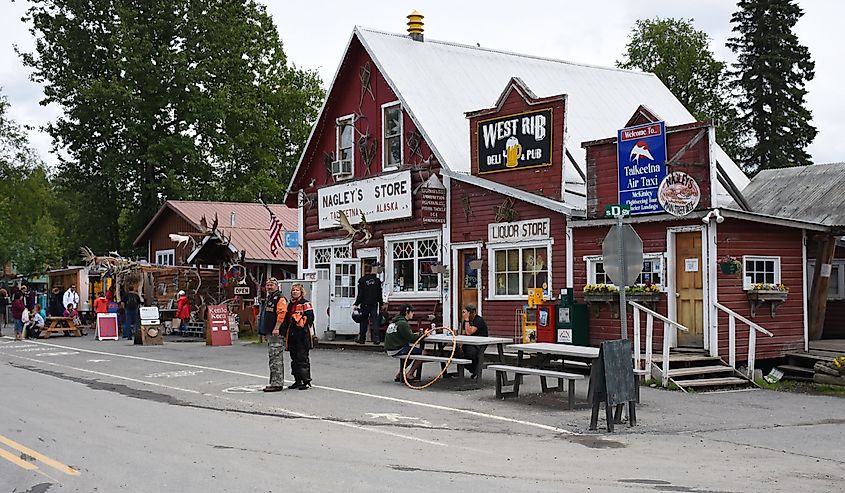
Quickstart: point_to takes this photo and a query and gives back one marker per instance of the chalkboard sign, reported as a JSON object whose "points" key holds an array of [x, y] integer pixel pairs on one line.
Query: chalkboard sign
{"points": [[612, 381]]}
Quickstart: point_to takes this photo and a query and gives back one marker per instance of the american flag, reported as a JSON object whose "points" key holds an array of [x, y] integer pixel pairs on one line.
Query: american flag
{"points": [[276, 230]]}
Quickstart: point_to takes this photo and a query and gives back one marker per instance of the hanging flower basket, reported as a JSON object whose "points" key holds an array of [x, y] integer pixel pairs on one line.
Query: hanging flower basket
{"points": [[730, 265]]}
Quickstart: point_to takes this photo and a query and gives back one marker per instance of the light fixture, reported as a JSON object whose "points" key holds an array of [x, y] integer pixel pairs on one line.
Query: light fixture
{"points": [[714, 214]]}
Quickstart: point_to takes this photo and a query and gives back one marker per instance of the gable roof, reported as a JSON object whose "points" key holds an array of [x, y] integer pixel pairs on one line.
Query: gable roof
{"points": [[438, 82], [804, 193], [251, 229]]}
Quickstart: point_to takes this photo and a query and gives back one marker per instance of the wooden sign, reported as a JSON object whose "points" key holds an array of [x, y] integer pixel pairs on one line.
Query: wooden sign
{"points": [[217, 332], [433, 205], [107, 329], [612, 383], [512, 142]]}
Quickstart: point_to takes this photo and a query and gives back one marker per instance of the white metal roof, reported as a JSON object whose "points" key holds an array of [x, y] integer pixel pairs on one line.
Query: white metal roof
{"points": [[439, 81]]}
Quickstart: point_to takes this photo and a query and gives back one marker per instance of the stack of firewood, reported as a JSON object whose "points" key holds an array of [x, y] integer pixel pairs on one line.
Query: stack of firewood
{"points": [[831, 373]]}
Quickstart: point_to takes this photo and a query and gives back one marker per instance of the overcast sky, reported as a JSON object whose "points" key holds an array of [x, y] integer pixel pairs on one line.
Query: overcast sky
{"points": [[315, 32]]}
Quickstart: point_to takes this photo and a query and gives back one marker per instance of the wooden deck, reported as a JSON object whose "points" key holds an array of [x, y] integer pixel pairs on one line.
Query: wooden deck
{"points": [[828, 346]]}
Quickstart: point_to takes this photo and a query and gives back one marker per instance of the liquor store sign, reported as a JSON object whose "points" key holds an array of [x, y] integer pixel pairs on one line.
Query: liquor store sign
{"points": [[381, 198], [533, 229], [517, 141]]}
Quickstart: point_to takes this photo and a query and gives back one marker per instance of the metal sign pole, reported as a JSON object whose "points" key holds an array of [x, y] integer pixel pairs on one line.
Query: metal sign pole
{"points": [[623, 305]]}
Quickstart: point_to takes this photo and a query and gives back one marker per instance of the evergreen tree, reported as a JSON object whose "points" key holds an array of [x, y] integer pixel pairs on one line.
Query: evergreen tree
{"points": [[680, 56], [165, 99], [772, 69]]}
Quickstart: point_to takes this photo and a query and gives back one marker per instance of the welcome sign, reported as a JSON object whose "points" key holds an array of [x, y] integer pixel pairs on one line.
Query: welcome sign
{"points": [[641, 152], [519, 141]]}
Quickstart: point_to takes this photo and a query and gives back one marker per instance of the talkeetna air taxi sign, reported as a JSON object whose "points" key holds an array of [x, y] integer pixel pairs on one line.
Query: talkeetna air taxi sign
{"points": [[641, 151], [519, 141]]}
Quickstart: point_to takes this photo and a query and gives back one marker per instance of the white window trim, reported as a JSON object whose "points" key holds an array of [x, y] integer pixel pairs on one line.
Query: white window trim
{"points": [[388, 271], [811, 266], [315, 244], [491, 267], [591, 260], [384, 165], [745, 258], [338, 122], [172, 252]]}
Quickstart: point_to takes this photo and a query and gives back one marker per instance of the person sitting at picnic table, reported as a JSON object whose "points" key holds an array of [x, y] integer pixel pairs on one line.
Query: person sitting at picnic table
{"points": [[36, 323], [398, 339], [183, 311], [70, 312], [473, 325]]}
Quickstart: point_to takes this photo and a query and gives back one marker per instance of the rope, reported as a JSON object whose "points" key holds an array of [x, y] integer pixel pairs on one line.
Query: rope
{"points": [[442, 370]]}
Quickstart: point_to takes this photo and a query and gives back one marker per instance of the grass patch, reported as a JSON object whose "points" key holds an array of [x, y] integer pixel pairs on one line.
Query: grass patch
{"points": [[249, 338], [802, 387]]}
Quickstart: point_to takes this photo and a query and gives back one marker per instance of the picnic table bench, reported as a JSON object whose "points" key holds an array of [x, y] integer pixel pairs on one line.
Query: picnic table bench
{"points": [[519, 371], [60, 324]]}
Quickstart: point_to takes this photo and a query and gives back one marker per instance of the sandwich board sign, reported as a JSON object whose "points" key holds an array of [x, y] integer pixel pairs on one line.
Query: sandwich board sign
{"points": [[107, 327]]}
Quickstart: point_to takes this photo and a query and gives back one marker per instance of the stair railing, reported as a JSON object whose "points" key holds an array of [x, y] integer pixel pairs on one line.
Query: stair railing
{"points": [[649, 337], [752, 337]]}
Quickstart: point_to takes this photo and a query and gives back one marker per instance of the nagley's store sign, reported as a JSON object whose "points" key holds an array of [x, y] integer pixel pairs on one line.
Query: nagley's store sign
{"points": [[533, 229], [380, 198], [515, 142]]}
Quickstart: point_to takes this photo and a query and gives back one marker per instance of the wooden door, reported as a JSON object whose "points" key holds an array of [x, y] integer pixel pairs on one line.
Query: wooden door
{"points": [[468, 281], [689, 286]]}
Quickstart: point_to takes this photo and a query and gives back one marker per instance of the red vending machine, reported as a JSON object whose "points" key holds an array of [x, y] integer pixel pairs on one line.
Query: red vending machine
{"points": [[546, 322]]}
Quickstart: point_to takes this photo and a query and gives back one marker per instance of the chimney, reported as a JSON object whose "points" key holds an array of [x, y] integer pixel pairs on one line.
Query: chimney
{"points": [[232, 219], [415, 26]]}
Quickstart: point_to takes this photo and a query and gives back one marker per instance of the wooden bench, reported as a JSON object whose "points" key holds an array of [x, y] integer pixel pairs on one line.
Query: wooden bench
{"points": [[60, 325], [425, 358], [518, 371]]}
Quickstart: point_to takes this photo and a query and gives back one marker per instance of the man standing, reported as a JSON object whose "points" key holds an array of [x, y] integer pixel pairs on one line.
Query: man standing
{"points": [[275, 311], [132, 307], [368, 301], [71, 297], [473, 325], [55, 308]]}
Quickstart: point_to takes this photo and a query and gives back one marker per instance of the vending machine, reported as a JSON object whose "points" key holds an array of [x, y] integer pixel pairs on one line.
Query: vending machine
{"points": [[571, 320], [546, 322]]}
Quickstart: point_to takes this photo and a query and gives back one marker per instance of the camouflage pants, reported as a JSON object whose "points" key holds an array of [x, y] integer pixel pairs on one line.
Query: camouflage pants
{"points": [[277, 361]]}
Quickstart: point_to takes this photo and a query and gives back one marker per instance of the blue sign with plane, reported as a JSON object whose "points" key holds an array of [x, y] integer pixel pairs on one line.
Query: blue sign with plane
{"points": [[291, 239], [641, 152]]}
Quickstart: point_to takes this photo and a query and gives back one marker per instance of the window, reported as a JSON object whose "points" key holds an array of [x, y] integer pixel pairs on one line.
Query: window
{"points": [[391, 123], [652, 270], [760, 270], [411, 263], [166, 257], [345, 160], [321, 258], [836, 287], [515, 270]]}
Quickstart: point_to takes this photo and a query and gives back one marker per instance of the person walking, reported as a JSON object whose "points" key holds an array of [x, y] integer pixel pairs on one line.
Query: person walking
{"points": [[71, 297], [298, 338], [132, 306], [274, 314], [183, 311], [367, 301], [18, 311], [55, 305]]}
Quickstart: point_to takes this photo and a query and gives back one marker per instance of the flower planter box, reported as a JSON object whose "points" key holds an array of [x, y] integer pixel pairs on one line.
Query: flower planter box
{"points": [[612, 299], [758, 297]]}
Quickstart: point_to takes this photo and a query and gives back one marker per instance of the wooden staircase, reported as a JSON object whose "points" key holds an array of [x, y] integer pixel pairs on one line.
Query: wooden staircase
{"points": [[800, 364], [696, 369]]}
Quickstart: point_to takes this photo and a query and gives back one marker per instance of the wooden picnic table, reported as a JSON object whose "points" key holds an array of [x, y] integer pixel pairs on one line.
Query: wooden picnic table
{"points": [[442, 339], [60, 324]]}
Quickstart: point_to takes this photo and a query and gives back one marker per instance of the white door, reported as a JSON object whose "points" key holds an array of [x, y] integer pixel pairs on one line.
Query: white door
{"points": [[344, 278]]}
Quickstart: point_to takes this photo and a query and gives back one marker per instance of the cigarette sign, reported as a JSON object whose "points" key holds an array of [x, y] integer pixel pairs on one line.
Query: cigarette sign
{"points": [[641, 153]]}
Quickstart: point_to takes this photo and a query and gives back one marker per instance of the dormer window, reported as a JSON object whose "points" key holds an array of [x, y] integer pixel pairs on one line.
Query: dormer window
{"points": [[344, 165], [391, 124]]}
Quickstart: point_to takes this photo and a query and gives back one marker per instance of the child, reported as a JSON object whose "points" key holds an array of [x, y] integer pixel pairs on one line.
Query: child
{"points": [[36, 323]]}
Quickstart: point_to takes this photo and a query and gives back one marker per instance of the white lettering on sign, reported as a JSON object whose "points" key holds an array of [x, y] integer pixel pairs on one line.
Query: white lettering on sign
{"points": [[533, 126], [381, 198], [533, 229]]}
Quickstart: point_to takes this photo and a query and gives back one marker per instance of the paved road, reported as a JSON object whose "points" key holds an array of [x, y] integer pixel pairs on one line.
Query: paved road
{"points": [[82, 415]]}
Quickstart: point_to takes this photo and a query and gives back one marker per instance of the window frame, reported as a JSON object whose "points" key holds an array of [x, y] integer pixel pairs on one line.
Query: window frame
{"points": [[592, 260], [756, 258], [492, 248], [171, 252], [416, 237], [838, 265], [384, 149], [340, 122], [313, 246]]}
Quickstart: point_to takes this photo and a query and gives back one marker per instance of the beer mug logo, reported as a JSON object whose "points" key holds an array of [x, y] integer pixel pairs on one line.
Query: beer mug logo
{"points": [[513, 152]]}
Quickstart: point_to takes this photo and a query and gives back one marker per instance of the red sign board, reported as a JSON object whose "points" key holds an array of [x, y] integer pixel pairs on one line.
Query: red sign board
{"points": [[218, 326], [107, 326], [433, 207]]}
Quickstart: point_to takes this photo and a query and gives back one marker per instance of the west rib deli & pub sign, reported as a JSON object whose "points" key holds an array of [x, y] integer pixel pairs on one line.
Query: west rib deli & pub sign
{"points": [[519, 141]]}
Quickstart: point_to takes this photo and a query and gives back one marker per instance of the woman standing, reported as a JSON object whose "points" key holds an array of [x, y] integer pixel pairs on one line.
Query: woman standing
{"points": [[183, 311], [298, 336], [18, 308]]}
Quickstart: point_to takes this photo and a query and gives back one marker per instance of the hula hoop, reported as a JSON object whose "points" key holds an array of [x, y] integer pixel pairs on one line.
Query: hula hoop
{"points": [[442, 370]]}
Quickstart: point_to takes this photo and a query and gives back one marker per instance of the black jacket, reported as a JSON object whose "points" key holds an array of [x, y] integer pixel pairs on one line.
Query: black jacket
{"points": [[56, 308], [369, 291]]}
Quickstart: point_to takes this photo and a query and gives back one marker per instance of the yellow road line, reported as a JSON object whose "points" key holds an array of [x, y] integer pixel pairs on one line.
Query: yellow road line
{"points": [[17, 460], [39, 456]]}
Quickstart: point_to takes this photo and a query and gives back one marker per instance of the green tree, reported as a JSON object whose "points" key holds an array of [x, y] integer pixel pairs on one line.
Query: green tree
{"points": [[166, 99], [771, 71], [680, 56], [30, 238]]}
